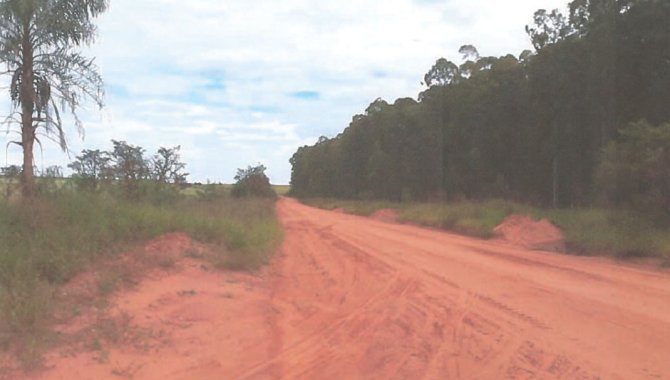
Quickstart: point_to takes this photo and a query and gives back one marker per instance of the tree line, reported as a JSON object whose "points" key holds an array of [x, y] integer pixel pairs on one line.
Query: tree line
{"points": [[125, 169], [127, 165], [544, 126]]}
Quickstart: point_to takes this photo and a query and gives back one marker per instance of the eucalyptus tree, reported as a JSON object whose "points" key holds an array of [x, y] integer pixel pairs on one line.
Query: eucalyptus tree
{"points": [[49, 76], [550, 28], [443, 74]]}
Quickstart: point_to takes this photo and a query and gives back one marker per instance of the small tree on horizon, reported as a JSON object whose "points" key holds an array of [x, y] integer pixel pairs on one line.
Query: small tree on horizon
{"points": [[166, 166], [91, 167], [130, 167], [53, 171], [252, 182], [11, 171]]}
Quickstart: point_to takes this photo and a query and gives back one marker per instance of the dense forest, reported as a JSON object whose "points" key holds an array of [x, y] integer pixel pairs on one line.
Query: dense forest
{"points": [[583, 118]]}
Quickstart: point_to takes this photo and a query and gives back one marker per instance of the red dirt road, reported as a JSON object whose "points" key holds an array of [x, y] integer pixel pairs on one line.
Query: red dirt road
{"points": [[354, 298], [362, 299]]}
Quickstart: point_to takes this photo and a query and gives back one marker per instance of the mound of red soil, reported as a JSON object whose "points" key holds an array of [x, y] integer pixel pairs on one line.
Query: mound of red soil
{"points": [[524, 231], [385, 215]]}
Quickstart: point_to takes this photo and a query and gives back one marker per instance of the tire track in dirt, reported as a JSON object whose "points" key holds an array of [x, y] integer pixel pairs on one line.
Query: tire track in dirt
{"points": [[399, 302]]}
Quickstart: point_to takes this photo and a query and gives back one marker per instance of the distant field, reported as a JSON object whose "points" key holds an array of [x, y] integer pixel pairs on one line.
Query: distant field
{"points": [[587, 231], [281, 189], [11, 185], [4, 181], [225, 188], [190, 190]]}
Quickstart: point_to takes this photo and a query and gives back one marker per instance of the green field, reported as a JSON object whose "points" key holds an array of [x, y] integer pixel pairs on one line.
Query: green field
{"points": [[281, 190]]}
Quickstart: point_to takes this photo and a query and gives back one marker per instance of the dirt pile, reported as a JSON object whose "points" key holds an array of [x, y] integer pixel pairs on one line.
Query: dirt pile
{"points": [[524, 231], [385, 215]]}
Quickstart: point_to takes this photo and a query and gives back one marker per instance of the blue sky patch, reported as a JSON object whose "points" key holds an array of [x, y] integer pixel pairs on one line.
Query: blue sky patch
{"points": [[264, 109], [306, 95], [216, 84]]}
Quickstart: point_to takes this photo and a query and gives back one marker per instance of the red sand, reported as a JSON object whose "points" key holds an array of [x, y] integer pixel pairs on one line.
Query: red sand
{"points": [[524, 231], [385, 215]]}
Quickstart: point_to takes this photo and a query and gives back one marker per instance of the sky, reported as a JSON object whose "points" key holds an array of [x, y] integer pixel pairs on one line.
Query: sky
{"points": [[240, 82]]}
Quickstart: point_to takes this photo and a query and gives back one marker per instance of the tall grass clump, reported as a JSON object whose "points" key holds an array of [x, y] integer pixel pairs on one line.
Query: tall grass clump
{"points": [[611, 232]]}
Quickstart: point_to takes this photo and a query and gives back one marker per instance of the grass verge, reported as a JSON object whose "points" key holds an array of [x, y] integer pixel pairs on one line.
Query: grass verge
{"points": [[587, 231]]}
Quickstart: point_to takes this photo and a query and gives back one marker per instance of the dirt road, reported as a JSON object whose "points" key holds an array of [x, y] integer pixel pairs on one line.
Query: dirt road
{"points": [[361, 299], [354, 298]]}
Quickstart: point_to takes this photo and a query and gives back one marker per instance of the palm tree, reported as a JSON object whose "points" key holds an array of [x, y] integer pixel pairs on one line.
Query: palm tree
{"points": [[38, 41]]}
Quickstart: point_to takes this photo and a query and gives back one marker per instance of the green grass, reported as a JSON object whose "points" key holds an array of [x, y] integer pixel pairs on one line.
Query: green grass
{"points": [[611, 232], [47, 242], [587, 231]]}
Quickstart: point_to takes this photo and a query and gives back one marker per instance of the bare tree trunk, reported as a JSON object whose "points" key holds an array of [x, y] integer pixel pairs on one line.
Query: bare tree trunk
{"points": [[555, 182], [442, 191], [28, 175], [27, 104]]}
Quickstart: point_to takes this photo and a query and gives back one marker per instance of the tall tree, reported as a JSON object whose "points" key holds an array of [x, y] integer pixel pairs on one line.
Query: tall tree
{"points": [[38, 43], [442, 73], [549, 28]]}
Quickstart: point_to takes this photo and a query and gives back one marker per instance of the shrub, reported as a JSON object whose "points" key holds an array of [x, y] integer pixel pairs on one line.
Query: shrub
{"points": [[634, 170], [252, 182]]}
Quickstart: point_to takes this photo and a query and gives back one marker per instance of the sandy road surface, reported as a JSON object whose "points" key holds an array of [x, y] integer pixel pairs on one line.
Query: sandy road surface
{"points": [[361, 299], [353, 298]]}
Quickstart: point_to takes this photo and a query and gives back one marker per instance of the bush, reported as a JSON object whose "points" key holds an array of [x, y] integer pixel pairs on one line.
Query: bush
{"points": [[252, 182], [634, 170]]}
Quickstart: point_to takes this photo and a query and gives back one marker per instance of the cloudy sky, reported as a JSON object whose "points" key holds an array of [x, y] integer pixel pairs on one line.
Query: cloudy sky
{"points": [[237, 82]]}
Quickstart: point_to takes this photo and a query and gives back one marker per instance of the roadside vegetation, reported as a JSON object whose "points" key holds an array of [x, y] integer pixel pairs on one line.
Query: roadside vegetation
{"points": [[601, 231], [115, 201]]}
